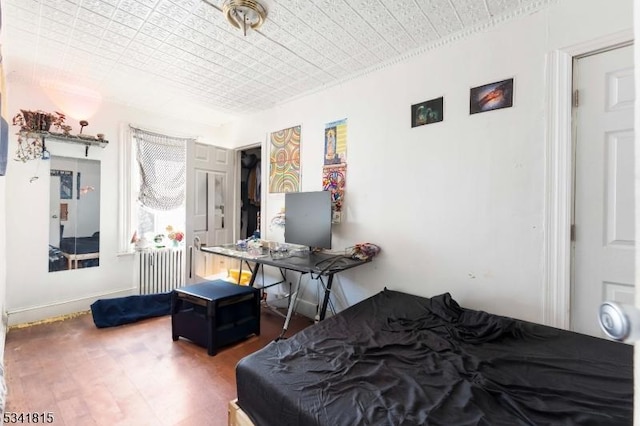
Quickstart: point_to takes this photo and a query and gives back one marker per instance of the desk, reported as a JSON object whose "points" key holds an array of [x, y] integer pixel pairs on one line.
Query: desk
{"points": [[321, 264]]}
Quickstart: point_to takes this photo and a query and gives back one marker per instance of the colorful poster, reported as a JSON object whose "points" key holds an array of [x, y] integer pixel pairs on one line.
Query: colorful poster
{"points": [[284, 159], [334, 181], [335, 142], [334, 172]]}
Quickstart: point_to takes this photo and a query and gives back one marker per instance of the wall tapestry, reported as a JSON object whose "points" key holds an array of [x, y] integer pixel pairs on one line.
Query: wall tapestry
{"points": [[334, 181], [427, 112], [66, 183], [491, 96], [284, 159], [334, 172]]}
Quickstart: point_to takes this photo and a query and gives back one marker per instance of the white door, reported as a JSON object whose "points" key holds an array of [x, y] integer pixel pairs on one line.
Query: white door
{"points": [[210, 214], [604, 237], [54, 211]]}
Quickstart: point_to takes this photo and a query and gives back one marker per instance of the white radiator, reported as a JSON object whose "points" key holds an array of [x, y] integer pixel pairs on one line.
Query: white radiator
{"points": [[160, 271]]}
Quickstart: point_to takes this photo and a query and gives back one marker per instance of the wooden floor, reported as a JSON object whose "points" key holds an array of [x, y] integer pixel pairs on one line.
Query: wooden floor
{"points": [[128, 375]]}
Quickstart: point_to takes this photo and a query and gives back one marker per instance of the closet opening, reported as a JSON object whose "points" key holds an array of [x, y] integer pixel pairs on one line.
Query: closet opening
{"points": [[250, 191]]}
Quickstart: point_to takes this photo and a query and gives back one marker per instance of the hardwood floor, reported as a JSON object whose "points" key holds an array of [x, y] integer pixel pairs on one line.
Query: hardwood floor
{"points": [[128, 375]]}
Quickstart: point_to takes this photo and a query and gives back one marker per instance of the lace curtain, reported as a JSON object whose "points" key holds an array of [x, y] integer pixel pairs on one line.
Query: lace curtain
{"points": [[162, 163]]}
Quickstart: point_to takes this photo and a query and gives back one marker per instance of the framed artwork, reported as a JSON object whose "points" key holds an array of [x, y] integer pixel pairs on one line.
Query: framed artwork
{"points": [[491, 96], [284, 160], [66, 183], [427, 112]]}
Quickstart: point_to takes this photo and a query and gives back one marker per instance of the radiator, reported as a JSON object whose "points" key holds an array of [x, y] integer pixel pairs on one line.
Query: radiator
{"points": [[160, 271]]}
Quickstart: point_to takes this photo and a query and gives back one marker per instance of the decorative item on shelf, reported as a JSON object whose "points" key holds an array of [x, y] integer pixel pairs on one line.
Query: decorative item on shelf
{"points": [[159, 240], [176, 237], [32, 125], [36, 126]]}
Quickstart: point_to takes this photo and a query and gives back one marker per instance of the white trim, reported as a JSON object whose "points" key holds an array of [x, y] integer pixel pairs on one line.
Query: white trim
{"points": [[556, 292], [124, 191], [66, 307], [556, 301]]}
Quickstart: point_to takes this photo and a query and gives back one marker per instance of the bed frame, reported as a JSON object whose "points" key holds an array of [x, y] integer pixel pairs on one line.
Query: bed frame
{"points": [[73, 258], [237, 417]]}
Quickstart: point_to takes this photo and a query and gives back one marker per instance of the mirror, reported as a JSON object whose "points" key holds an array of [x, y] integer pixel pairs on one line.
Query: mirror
{"points": [[74, 213]]}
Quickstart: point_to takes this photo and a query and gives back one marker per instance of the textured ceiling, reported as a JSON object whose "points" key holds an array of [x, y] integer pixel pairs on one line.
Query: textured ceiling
{"points": [[181, 57]]}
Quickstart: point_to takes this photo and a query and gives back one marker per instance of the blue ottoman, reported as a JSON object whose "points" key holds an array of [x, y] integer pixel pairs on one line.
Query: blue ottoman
{"points": [[215, 313]]}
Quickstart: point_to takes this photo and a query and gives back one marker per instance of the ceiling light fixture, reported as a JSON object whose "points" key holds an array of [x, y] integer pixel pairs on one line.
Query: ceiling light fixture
{"points": [[244, 14]]}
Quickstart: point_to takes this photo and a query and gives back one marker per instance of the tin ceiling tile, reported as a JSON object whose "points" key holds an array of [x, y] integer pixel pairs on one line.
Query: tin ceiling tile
{"points": [[187, 45]]}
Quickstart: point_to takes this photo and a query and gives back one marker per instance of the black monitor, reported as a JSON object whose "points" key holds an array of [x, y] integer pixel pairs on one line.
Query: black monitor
{"points": [[308, 219]]}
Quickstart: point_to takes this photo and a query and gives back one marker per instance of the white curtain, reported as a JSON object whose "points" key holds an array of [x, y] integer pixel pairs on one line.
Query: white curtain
{"points": [[162, 164]]}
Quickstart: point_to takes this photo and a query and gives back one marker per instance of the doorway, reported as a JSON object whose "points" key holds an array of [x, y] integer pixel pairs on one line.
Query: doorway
{"points": [[603, 232], [250, 191]]}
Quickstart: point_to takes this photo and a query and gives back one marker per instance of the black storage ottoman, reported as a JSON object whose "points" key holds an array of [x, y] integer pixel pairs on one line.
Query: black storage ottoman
{"points": [[215, 313]]}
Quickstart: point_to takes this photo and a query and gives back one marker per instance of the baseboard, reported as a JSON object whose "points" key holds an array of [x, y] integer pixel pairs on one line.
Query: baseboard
{"points": [[62, 308]]}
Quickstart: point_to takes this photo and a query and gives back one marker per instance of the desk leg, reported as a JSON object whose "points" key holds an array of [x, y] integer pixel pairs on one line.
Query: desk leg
{"points": [[292, 302], [325, 301], [252, 281]]}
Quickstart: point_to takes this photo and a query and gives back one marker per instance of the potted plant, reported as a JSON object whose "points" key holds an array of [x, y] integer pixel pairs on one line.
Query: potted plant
{"points": [[32, 125]]}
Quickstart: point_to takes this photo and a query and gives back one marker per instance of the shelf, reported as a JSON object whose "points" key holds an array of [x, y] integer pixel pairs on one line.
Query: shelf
{"points": [[87, 140]]}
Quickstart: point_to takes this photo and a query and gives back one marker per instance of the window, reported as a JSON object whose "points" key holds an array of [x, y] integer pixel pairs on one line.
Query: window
{"points": [[153, 170]]}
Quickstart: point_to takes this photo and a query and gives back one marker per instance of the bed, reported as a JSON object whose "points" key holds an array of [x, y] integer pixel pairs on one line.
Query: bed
{"points": [[399, 359], [81, 251]]}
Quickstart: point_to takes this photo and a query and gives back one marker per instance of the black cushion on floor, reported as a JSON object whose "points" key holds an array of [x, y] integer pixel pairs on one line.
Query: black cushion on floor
{"points": [[124, 310]]}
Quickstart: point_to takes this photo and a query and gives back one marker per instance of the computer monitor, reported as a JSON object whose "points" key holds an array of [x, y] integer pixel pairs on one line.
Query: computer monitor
{"points": [[308, 219]]}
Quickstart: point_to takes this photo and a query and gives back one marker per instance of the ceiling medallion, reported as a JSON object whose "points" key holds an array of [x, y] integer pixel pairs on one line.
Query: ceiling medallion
{"points": [[244, 14]]}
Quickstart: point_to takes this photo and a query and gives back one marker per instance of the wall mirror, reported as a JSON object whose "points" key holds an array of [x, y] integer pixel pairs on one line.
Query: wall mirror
{"points": [[74, 213]]}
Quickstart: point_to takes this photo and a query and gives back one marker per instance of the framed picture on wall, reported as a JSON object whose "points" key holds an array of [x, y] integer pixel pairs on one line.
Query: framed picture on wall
{"points": [[491, 96], [427, 112], [66, 183]]}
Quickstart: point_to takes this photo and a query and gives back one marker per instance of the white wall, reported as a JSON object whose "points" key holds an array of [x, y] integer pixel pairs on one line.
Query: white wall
{"points": [[456, 206], [32, 292], [3, 260]]}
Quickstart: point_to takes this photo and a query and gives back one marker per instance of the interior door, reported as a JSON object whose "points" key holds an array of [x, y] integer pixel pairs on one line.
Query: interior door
{"points": [[210, 212], [604, 236]]}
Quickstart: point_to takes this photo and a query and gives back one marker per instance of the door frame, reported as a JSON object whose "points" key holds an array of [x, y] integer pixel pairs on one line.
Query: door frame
{"points": [[559, 176]]}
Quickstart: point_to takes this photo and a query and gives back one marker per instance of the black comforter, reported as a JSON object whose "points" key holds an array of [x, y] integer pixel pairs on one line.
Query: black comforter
{"points": [[80, 245], [398, 359]]}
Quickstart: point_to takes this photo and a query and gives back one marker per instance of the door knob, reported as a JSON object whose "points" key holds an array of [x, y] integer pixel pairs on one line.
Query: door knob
{"points": [[620, 321]]}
